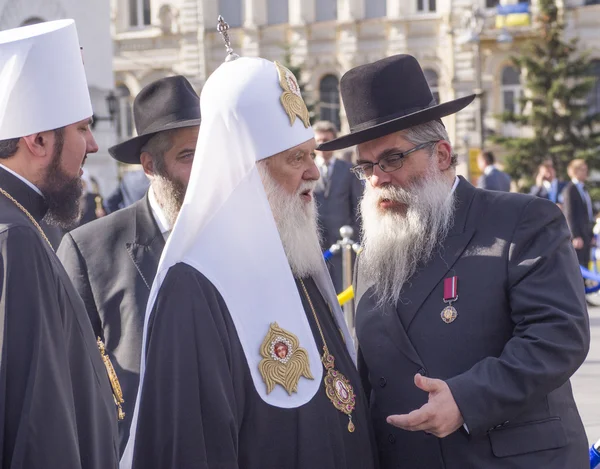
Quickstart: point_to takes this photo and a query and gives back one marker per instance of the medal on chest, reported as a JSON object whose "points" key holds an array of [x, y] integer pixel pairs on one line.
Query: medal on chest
{"points": [[449, 313]]}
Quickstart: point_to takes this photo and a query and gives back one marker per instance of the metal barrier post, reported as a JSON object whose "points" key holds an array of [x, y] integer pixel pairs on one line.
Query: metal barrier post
{"points": [[346, 243]]}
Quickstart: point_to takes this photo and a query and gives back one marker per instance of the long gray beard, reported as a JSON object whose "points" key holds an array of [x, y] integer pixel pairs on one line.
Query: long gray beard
{"points": [[394, 245], [297, 224], [169, 194]]}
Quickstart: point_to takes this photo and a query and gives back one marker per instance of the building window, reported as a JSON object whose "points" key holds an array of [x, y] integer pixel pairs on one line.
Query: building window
{"points": [[491, 3], [426, 6], [594, 96], [326, 10], [432, 80], [375, 8], [139, 13], [277, 11], [329, 99], [232, 11], [511, 90], [592, 2]]}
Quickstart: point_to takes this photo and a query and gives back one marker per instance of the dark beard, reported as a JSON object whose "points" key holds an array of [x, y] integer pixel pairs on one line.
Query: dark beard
{"points": [[62, 192], [169, 194]]}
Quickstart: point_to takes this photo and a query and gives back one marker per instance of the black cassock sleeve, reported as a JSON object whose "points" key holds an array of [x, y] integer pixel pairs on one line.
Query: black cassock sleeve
{"points": [[37, 428], [189, 411]]}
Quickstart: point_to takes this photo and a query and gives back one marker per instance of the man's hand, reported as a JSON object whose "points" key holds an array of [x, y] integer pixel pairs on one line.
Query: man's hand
{"points": [[440, 416], [578, 243]]}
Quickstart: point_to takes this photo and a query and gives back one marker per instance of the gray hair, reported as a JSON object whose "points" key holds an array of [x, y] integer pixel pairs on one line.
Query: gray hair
{"points": [[157, 146], [429, 132], [325, 126]]}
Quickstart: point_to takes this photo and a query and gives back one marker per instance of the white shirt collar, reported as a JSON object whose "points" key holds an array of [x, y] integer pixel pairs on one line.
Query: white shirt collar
{"points": [[455, 185], [33, 186], [577, 182], [158, 214], [489, 169]]}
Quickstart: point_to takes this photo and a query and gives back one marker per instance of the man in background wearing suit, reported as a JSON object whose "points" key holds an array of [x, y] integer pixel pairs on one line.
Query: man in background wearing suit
{"points": [[470, 313], [578, 210], [112, 261], [492, 178], [547, 185], [337, 195]]}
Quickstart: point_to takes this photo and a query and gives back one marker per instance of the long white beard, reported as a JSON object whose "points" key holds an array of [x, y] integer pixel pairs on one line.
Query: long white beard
{"points": [[394, 245], [297, 225]]}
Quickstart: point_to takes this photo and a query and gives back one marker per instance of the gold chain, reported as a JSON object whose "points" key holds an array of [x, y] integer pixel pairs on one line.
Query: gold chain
{"points": [[26, 212], [114, 381], [312, 308]]}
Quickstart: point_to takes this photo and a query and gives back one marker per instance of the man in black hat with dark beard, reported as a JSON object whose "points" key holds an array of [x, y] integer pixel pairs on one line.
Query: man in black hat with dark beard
{"points": [[112, 261], [471, 314]]}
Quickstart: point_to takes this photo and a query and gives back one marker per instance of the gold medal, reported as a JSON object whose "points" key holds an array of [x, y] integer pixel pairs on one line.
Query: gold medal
{"points": [[337, 387], [449, 314]]}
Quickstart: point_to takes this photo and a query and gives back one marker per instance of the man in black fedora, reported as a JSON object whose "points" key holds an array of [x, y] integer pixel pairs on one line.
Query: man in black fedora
{"points": [[471, 314], [112, 261]]}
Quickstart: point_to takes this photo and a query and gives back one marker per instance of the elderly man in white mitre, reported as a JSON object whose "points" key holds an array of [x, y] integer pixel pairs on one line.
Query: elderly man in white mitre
{"points": [[248, 361]]}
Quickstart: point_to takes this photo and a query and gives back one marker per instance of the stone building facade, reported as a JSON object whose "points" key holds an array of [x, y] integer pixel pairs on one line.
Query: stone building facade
{"points": [[92, 18], [156, 38]]}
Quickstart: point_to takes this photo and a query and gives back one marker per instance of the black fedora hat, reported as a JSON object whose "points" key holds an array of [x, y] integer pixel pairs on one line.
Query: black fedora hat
{"points": [[168, 103], [386, 96]]}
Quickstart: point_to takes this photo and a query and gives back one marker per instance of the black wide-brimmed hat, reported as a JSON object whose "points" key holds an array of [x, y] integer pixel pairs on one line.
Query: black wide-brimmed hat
{"points": [[166, 104], [386, 96]]}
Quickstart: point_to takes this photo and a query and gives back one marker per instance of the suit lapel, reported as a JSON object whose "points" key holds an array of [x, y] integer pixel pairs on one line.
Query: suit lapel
{"points": [[426, 279], [148, 243]]}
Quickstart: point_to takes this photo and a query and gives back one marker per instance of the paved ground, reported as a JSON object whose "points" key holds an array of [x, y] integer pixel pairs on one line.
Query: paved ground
{"points": [[586, 382]]}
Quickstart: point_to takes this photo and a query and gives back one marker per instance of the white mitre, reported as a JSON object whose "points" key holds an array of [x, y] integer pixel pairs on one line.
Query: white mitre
{"points": [[226, 230], [42, 79]]}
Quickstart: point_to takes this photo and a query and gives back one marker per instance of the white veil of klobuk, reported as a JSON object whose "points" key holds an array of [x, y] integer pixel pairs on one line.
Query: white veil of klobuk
{"points": [[226, 229]]}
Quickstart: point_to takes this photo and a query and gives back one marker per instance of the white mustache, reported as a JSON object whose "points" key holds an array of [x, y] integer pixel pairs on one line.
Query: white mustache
{"points": [[394, 194], [306, 185]]}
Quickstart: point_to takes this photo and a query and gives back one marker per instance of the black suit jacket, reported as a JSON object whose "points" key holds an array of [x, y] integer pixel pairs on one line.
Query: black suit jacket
{"points": [[578, 218], [337, 204], [112, 262], [522, 330]]}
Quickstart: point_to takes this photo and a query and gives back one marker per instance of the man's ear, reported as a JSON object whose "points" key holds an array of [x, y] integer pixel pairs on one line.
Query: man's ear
{"points": [[147, 163], [444, 155], [40, 145]]}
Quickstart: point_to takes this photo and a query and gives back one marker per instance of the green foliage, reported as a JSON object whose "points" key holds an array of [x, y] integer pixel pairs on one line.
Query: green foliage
{"points": [[558, 83]]}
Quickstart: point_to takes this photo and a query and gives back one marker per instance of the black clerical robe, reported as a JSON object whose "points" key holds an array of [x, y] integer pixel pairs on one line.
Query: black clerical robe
{"points": [[56, 404], [200, 410]]}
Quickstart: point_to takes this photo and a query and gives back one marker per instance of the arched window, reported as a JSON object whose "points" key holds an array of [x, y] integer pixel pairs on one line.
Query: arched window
{"points": [[329, 99], [511, 90], [32, 20], [139, 13], [326, 10], [277, 11], [124, 113], [432, 80], [594, 96], [375, 8], [232, 11]]}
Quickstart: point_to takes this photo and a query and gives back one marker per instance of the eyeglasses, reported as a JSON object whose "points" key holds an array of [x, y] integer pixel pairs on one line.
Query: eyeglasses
{"points": [[387, 164]]}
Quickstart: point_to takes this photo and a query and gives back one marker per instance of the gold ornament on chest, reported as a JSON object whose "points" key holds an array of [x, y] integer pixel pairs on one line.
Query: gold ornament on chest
{"points": [[284, 361]]}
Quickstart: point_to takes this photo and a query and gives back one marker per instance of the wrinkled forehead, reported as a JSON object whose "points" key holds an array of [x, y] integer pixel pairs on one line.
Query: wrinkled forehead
{"points": [[298, 150], [373, 149]]}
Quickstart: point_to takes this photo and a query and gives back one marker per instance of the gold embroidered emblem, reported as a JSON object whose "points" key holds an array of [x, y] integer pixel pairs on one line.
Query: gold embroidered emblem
{"points": [[291, 99], [284, 361], [114, 380]]}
